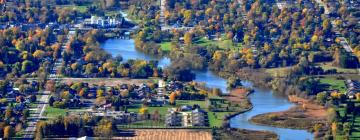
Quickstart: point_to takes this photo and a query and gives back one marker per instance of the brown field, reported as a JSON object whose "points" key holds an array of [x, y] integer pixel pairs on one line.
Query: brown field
{"points": [[310, 109], [237, 95], [302, 116], [169, 134], [107, 81]]}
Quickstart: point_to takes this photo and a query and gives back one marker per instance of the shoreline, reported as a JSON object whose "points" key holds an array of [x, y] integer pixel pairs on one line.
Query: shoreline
{"points": [[303, 116], [250, 91]]}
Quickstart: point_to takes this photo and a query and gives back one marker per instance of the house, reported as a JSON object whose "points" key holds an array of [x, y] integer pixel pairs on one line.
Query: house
{"points": [[103, 22], [353, 87], [173, 118], [199, 118]]}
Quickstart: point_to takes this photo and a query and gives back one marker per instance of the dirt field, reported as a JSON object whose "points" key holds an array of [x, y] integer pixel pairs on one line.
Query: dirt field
{"points": [[169, 134], [310, 109], [237, 95], [107, 81]]}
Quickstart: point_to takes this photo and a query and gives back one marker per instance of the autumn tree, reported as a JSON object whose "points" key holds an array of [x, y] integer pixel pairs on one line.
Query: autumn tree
{"points": [[8, 132], [188, 38], [105, 128], [172, 98]]}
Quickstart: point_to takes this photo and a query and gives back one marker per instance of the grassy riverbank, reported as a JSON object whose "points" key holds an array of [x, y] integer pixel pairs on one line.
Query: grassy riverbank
{"points": [[305, 115]]}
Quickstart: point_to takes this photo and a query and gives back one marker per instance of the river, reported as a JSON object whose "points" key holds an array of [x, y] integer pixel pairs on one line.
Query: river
{"points": [[263, 100]]}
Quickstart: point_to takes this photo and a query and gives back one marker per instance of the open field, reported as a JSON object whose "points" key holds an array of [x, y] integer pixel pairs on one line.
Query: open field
{"points": [[223, 44], [167, 134], [327, 66], [81, 9], [108, 81], [215, 118], [165, 46], [278, 72], [54, 112], [333, 83]]}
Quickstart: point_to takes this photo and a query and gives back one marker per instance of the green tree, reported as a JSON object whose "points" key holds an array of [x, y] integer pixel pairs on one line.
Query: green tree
{"points": [[27, 66]]}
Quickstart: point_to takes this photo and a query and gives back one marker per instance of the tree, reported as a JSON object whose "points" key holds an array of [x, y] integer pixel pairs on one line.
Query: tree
{"points": [[321, 97], [124, 93], [39, 54], [334, 129], [357, 95], [27, 66], [8, 132], [50, 85], [143, 111], [8, 113], [105, 128], [100, 101], [332, 115], [188, 38], [233, 82], [172, 98], [51, 101]]}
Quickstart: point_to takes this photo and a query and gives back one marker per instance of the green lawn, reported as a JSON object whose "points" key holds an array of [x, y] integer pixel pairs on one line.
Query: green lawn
{"points": [[54, 112], [355, 135], [327, 66], [334, 84], [223, 44], [215, 118], [165, 46], [81, 9]]}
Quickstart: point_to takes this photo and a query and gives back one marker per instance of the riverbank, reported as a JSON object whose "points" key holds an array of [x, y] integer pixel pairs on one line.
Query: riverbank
{"points": [[239, 96], [243, 134], [305, 115]]}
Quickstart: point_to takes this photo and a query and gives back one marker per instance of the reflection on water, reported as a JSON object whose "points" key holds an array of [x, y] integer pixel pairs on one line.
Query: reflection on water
{"points": [[126, 49], [263, 100]]}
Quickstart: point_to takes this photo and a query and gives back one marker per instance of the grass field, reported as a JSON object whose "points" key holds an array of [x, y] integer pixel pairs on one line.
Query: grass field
{"points": [[166, 46], [278, 72], [223, 44], [327, 66], [334, 84], [54, 112], [215, 118], [81, 9]]}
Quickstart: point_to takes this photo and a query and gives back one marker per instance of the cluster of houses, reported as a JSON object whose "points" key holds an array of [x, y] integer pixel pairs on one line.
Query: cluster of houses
{"points": [[186, 116], [353, 87], [121, 117]]}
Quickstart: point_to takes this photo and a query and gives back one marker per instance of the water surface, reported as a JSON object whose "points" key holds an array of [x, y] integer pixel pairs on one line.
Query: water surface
{"points": [[263, 100]]}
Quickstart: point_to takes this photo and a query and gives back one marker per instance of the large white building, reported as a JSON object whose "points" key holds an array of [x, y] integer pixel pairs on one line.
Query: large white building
{"points": [[100, 21]]}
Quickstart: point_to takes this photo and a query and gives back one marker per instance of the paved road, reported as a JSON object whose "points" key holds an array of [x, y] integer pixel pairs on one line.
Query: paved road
{"points": [[36, 115], [38, 112], [343, 42]]}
